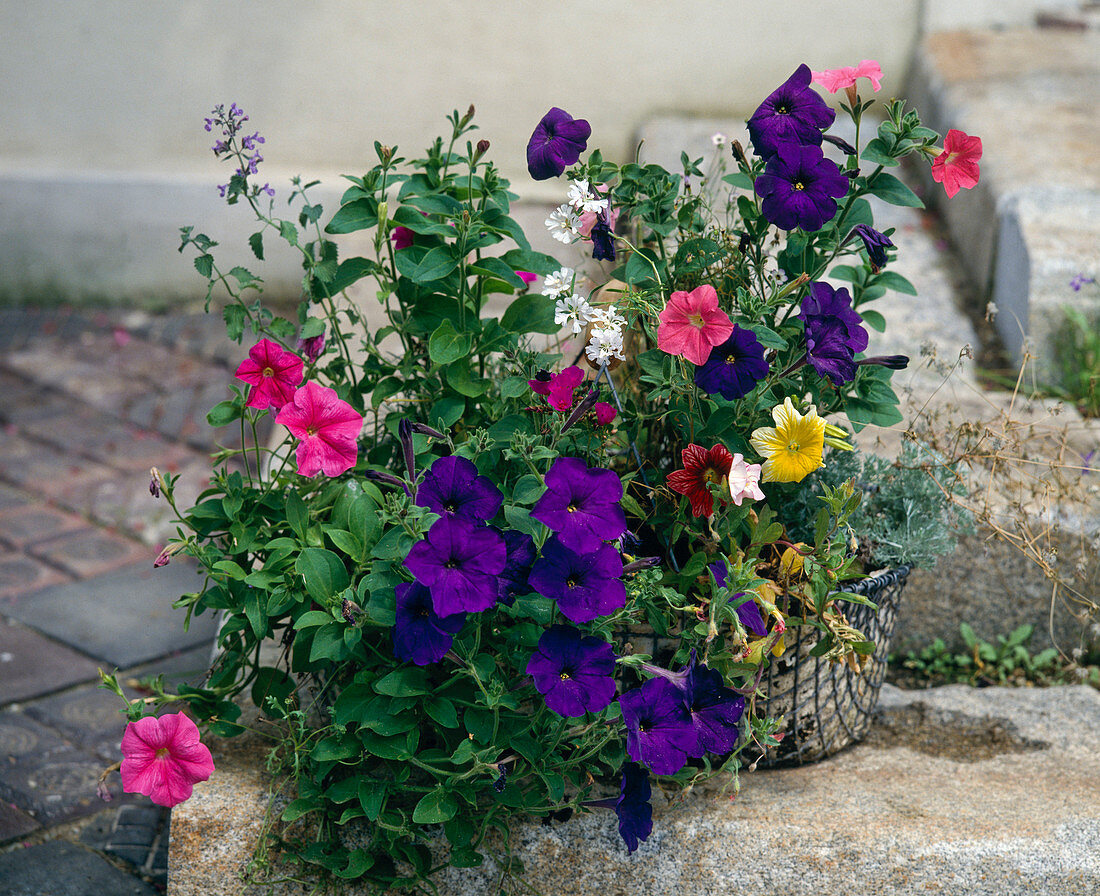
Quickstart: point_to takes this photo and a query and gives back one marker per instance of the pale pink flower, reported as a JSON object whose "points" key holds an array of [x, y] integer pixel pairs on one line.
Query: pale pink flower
{"points": [[272, 372], [588, 219], [744, 481], [692, 324], [843, 78], [163, 758], [327, 428], [957, 165]]}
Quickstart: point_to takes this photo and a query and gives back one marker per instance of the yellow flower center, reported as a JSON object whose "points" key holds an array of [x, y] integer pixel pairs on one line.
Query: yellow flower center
{"points": [[798, 185], [267, 371], [696, 320]]}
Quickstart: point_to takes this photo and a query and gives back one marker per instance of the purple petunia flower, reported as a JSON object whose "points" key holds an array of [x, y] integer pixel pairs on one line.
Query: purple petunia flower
{"points": [[792, 113], [659, 730], [557, 143], [459, 563], [452, 487], [715, 710], [521, 554], [311, 347], [834, 332], [875, 243], [734, 367], [633, 808], [585, 586], [420, 635], [573, 672], [799, 187], [603, 246], [581, 505], [749, 611]]}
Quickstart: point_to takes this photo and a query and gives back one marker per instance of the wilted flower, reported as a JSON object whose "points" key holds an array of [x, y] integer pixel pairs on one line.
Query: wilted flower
{"points": [[874, 242], [842, 78], [744, 481]]}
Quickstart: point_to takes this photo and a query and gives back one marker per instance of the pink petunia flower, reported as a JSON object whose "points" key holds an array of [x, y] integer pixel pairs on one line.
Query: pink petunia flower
{"points": [[843, 78], [402, 238], [272, 372], [957, 165], [163, 758], [562, 387], [527, 277], [588, 221], [327, 428], [605, 413], [692, 324], [744, 481]]}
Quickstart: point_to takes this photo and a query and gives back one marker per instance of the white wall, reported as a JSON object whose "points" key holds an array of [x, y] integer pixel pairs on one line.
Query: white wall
{"points": [[102, 149]]}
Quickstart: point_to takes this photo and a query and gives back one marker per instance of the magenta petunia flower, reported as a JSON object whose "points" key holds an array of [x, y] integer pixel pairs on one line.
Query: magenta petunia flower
{"points": [[272, 372], [692, 324], [605, 413], [842, 78], [527, 277], [562, 386], [402, 238], [957, 166], [163, 758], [327, 428]]}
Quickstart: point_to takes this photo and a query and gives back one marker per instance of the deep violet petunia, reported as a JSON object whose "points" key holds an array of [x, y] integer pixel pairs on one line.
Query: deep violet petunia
{"points": [[603, 244], [874, 242], [459, 563], [632, 807], [517, 567], [452, 486], [581, 505], [421, 635], [585, 586], [573, 672], [748, 611], [793, 112], [715, 709], [272, 372], [799, 187], [164, 758], [659, 730], [557, 142], [834, 332], [692, 324], [957, 166], [327, 428], [701, 467], [734, 367]]}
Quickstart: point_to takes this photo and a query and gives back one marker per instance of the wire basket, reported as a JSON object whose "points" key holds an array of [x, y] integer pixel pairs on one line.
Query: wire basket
{"points": [[825, 706]]}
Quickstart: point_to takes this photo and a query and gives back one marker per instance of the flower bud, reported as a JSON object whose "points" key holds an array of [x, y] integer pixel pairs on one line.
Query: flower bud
{"points": [[156, 484]]}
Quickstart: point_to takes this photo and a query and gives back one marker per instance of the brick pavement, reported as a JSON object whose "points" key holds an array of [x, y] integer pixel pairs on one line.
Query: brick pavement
{"points": [[89, 401]]}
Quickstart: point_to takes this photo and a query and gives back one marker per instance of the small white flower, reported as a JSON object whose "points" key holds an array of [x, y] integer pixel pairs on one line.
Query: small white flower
{"points": [[583, 199], [606, 318], [558, 282], [572, 311], [564, 224], [604, 346], [718, 139]]}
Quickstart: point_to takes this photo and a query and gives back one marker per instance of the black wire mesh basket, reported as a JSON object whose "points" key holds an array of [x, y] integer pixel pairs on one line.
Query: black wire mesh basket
{"points": [[825, 705]]}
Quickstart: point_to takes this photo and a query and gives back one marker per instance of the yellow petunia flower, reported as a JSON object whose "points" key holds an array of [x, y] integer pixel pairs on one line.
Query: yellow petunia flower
{"points": [[793, 446]]}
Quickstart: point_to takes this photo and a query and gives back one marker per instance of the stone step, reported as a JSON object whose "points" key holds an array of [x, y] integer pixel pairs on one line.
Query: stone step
{"points": [[956, 790]]}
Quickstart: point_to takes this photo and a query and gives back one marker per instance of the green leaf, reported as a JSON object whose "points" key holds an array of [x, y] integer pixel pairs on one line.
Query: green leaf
{"points": [[447, 345], [873, 319], [889, 189], [224, 413], [447, 411], [530, 313], [371, 797], [494, 267], [323, 572], [359, 863], [404, 682], [442, 711], [256, 242], [204, 264], [347, 542], [334, 748], [435, 264], [501, 431], [235, 318], [348, 272], [877, 152], [288, 232], [411, 218], [435, 807], [514, 387], [328, 643], [740, 180], [271, 682], [360, 214], [297, 514], [896, 282], [768, 338], [460, 378], [299, 807], [528, 490]]}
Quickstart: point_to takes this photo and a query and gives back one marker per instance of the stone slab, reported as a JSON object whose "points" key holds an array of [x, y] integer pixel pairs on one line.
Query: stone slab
{"points": [[89, 552], [957, 790], [32, 665], [14, 823], [28, 523], [20, 574], [60, 868], [127, 615]]}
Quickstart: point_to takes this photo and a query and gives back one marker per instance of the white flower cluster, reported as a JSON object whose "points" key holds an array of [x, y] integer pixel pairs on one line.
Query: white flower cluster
{"points": [[564, 222], [606, 343]]}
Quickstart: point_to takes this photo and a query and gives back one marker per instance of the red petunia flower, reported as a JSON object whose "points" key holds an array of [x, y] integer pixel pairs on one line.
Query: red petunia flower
{"points": [[957, 165], [273, 373], [700, 467]]}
